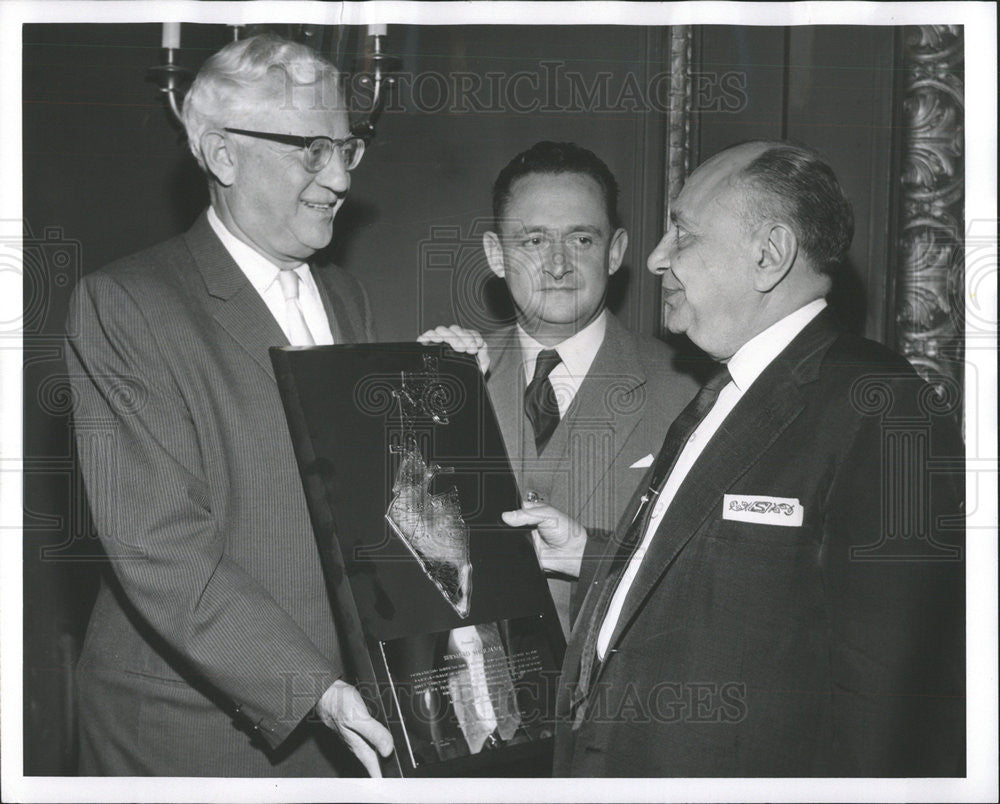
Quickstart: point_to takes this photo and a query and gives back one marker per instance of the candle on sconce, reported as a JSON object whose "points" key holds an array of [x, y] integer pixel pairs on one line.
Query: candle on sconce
{"points": [[377, 30], [171, 35]]}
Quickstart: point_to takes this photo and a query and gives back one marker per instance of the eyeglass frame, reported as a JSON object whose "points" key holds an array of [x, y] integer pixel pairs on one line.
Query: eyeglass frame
{"points": [[303, 142]]}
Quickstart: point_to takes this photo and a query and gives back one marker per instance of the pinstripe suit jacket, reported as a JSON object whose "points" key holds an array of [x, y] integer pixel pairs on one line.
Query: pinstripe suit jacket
{"points": [[619, 415], [212, 636]]}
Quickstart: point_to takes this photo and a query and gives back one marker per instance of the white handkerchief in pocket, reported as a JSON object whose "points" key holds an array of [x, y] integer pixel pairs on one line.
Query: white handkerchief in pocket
{"points": [[643, 463]]}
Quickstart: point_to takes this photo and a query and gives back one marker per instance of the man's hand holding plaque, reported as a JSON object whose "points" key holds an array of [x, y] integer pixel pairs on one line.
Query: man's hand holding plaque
{"points": [[462, 340], [559, 540], [343, 709]]}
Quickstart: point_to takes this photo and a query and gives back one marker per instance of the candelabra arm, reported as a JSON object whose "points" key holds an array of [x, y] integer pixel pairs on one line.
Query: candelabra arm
{"points": [[381, 80], [170, 77]]}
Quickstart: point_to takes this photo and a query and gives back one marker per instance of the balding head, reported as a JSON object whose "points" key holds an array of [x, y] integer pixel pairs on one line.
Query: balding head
{"points": [[785, 182], [753, 236]]}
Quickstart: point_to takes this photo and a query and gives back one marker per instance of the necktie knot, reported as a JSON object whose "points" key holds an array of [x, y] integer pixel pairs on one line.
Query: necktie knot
{"points": [[719, 380], [706, 397], [289, 281], [546, 360]]}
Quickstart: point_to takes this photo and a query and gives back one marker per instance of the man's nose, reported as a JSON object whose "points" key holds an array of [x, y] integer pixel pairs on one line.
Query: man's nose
{"points": [[557, 263], [659, 259], [334, 175]]}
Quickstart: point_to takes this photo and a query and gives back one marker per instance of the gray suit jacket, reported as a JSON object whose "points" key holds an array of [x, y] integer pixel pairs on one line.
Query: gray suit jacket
{"points": [[212, 636], [619, 416]]}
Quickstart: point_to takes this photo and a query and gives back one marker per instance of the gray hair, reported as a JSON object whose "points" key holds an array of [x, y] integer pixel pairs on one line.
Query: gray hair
{"points": [[245, 74]]}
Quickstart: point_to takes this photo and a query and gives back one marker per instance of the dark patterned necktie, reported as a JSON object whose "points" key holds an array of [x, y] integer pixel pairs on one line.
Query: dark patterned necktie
{"points": [[540, 404], [677, 436]]}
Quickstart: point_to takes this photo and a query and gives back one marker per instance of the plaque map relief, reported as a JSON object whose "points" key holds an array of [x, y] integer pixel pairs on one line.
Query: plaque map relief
{"points": [[442, 612], [429, 525]]}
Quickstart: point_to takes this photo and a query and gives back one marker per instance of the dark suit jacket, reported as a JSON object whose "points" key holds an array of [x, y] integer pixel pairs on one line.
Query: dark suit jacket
{"points": [[212, 637], [619, 415], [833, 648]]}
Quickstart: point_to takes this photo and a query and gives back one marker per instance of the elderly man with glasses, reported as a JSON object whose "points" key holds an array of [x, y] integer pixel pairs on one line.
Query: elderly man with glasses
{"points": [[212, 649]]}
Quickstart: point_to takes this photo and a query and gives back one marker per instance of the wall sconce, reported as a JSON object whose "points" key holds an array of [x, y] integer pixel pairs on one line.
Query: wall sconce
{"points": [[172, 79], [375, 76]]}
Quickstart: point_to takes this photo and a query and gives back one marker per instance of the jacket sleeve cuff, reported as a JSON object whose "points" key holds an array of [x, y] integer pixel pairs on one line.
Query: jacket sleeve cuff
{"points": [[300, 693]]}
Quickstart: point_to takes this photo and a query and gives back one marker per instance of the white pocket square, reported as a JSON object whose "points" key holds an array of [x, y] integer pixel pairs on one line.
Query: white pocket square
{"points": [[760, 509], [643, 463]]}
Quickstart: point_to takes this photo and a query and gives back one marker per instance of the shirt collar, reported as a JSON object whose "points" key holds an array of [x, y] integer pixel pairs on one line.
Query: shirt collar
{"points": [[757, 353], [577, 352], [259, 270]]}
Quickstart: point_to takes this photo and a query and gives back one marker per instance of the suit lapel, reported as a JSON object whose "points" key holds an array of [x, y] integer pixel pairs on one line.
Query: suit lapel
{"points": [[607, 395], [771, 404], [599, 576], [238, 307], [506, 386], [336, 311], [596, 581]]}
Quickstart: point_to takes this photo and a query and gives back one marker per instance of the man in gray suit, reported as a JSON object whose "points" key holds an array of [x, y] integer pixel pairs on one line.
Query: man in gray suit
{"points": [[582, 402], [212, 648]]}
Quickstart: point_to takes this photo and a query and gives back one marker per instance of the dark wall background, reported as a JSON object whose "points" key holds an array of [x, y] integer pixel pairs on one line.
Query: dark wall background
{"points": [[106, 173]]}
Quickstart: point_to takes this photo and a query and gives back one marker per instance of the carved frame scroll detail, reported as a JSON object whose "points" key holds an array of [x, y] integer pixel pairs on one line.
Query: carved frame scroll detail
{"points": [[930, 270]]}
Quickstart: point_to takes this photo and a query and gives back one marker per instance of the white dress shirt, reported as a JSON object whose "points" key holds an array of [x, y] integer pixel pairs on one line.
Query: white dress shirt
{"points": [[577, 353], [263, 275], [745, 367]]}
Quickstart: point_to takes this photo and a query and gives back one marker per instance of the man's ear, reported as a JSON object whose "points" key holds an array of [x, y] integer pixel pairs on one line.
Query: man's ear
{"points": [[494, 253], [616, 253], [220, 160], [776, 248]]}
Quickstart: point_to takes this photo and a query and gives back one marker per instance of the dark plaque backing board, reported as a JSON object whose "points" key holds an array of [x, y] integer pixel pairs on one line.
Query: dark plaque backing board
{"points": [[446, 617]]}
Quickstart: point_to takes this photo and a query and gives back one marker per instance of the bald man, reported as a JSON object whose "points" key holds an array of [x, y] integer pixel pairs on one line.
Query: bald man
{"points": [[785, 593]]}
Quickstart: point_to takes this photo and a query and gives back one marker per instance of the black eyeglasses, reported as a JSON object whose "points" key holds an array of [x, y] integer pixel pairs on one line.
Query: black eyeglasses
{"points": [[316, 151]]}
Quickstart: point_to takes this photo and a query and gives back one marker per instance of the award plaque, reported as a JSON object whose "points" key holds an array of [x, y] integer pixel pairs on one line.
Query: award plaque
{"points": [[443, 610]]}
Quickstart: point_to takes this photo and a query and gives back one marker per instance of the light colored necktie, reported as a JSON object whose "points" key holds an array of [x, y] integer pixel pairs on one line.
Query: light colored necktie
{"points": [[298, 330]]}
